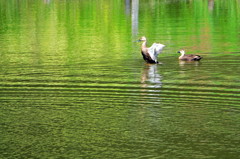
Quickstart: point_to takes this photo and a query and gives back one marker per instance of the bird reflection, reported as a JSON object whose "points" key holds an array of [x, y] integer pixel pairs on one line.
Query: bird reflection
{"points": [[151, 78]]}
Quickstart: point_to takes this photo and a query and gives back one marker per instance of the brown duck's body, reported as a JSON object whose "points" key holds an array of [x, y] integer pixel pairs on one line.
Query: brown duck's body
{"points": [[189, 57], [150, 54]]}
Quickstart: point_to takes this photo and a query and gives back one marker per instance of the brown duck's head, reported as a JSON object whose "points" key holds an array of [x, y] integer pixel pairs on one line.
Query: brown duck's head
{"points": [[143, 38], [181, 52]]}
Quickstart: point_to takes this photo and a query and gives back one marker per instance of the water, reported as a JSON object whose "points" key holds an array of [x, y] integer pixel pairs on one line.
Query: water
{"points": [[74, 85]]}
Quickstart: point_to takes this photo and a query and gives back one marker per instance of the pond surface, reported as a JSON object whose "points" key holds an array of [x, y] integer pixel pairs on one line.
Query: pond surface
{"points": [[73, 83]]}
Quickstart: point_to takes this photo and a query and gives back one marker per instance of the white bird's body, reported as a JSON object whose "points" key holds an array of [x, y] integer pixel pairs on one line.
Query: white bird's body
{"points": [[150, 54]]}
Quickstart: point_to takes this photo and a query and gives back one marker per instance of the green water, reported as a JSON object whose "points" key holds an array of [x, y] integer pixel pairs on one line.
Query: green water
{"points": [[73, 83]]}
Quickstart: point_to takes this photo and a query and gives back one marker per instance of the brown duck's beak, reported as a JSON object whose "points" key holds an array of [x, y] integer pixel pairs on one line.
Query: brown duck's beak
{"points": [[178, 52]]}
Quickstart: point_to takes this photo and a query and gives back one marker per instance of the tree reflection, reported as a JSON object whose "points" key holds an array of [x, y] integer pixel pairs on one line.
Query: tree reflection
{"points": [[210, 4], [46, 1], [135, 8], [127, 7]]}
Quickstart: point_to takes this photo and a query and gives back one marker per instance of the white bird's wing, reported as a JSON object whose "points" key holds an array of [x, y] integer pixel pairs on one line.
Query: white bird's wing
{"points": [[154, 50]]}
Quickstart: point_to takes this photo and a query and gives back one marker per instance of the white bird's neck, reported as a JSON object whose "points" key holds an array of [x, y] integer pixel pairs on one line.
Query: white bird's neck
{"points": [[144, 44]]}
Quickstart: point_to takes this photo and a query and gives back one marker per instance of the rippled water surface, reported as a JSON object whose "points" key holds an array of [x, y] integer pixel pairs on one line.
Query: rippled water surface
{"points": [[73, 83]]}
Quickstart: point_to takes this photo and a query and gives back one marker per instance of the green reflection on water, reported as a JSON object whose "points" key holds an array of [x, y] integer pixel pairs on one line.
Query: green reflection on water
{"points": [[74, 85]]}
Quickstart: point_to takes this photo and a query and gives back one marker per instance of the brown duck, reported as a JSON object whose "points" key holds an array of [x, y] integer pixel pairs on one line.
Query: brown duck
{"points": [[189, 57], [150, 54]]}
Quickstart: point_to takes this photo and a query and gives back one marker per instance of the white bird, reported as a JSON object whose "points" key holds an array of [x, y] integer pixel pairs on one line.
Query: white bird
{"points": [[150, 54]]}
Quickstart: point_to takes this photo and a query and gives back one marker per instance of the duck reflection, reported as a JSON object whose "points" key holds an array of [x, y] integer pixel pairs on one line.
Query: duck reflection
{"points": [[151, 79], [189, 63], [186, 66]]}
